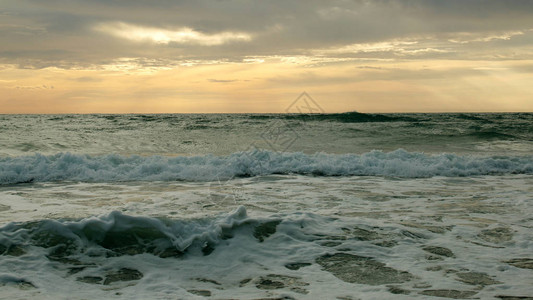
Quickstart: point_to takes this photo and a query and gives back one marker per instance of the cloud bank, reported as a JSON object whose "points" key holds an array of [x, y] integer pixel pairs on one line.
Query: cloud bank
{"points": [[41, 33], [255, 56]]}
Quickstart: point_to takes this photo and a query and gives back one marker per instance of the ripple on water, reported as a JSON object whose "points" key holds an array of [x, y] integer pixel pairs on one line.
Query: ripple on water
{"points": [[360, 269]]}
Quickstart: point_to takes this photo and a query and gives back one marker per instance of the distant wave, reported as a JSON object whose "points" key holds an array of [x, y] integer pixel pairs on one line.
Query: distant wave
{"points": [[347, 117], [113, 168], [492, 135], [486, 135]]}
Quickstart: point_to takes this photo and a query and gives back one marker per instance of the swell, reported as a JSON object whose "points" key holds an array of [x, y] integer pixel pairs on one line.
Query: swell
{"points": [[347, 117], [492, 135], [117, 168]]}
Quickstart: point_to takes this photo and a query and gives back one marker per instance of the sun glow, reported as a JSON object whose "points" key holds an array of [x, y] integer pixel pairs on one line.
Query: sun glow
{"points": [[183, 35]]}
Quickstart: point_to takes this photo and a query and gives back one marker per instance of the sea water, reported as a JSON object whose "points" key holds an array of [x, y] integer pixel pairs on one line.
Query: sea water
{"points": [[251, 206]]}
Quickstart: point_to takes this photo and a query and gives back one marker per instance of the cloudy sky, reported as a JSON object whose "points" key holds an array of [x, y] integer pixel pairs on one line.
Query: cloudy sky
{"points": [[128, 56]]}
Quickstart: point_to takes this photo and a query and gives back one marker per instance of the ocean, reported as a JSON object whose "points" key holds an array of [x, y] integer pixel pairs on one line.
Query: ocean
{"points": [[266, 206]]}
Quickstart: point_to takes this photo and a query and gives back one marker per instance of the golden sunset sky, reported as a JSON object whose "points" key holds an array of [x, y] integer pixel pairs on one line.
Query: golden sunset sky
{"points": [[230, 56]]}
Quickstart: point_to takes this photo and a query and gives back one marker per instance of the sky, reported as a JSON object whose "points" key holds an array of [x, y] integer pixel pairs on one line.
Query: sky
{"points": [[238, 56]]}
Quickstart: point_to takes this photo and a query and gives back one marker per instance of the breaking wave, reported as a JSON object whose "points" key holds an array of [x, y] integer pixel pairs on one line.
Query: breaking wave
{"points": [[116, 234], [117, 168]]}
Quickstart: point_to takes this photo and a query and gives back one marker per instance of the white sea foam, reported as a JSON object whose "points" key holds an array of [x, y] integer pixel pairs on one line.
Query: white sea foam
{"points": [[113, 168], [280, 255], [96, 213]]}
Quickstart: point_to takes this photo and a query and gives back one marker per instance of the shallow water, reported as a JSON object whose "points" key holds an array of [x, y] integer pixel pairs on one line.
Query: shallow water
{"points": [[263, 224], [415, 235]]}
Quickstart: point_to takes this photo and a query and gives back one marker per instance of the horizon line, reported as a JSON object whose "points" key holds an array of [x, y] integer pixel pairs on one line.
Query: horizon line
{"points": [[272, 113]]}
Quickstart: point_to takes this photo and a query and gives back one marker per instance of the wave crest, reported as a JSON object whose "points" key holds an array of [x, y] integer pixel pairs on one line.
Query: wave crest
{"points": [[117, 234], [116, 168]]}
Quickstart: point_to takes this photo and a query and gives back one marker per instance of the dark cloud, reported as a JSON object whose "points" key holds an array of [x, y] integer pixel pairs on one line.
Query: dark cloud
{"points": [[35, 87], [222, 80], [370, 67], [87, 79], [43, 33]]}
